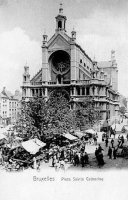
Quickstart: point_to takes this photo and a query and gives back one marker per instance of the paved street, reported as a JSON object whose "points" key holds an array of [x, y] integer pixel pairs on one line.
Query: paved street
{"points": [[118, 163]]}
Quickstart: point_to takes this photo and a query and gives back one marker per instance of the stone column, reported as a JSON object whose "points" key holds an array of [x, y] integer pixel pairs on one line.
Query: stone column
{"points": [[74, 91], [90, 90], [85, 90], [80, 91], [46, 92], [71, 93], [45, 69], [96, 91], [73, 62]]}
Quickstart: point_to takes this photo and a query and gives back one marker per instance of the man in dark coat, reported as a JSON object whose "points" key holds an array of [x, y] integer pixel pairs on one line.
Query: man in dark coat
{"points": [[86, 158], [114, 153], [110, 152], [82, 160], [100, 159], [100, 148], [112, 142], [96, 153], [106, 142]]}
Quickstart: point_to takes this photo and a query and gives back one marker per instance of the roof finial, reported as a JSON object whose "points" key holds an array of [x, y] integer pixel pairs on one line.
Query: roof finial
{"points": [[61, 9], [44, 31]]}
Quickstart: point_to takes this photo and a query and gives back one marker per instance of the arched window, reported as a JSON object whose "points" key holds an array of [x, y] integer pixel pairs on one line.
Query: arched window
{"points": [[59, 24]]}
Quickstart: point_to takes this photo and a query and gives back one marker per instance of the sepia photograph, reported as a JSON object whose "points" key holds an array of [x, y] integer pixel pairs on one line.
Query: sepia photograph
{"points": [[63, 99]]}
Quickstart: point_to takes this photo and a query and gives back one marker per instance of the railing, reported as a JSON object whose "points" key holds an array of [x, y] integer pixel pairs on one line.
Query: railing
{"points": [[51, 83], [36, 83], [55, 83], [77, 82], [96, 81], [82, 82]]}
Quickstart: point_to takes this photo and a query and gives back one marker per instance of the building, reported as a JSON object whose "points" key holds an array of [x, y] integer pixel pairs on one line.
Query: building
{"points": [[9, 106], [66, 68]]}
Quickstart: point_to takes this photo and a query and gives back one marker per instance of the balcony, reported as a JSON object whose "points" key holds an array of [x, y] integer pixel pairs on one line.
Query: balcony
{"points": [[97, 82], [36, 83], [81, 82]]}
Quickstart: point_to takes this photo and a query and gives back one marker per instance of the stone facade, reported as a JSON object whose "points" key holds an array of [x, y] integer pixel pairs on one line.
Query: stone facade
{"points": [[9, 107], [67, 68]]}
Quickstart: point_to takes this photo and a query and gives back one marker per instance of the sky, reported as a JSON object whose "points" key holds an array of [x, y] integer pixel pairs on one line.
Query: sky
{"points": [[100, 26]]}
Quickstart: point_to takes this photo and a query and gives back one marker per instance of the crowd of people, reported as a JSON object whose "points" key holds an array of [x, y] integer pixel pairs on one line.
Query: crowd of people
{"points": [[75, 154]]}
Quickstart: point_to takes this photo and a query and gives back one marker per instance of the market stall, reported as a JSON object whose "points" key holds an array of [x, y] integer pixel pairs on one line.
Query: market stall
{"points": [[3, 139], [70, 137], [33, 145]]}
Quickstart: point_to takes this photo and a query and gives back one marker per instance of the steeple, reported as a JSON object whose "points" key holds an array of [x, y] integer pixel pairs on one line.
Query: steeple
{"points": [[26, 75], [45, 37], [60, 20], [61, 9], [113, 59], [73, 34]]}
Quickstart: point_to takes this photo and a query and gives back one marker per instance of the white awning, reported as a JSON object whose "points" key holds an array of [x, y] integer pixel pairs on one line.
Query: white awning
{"points": [[79, 134], [2, 136], [70, 137], [33, 145], [117, 127], [91, 131]]}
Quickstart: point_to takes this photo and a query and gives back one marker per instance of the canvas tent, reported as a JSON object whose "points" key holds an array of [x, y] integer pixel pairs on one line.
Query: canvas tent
{"points": [[79, 134], [91, 131], [70, 137], [33, 145], [117, 127], [2, 136]]}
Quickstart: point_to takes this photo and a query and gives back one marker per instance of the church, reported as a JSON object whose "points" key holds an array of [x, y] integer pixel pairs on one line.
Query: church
{"points": [[66, 68]]}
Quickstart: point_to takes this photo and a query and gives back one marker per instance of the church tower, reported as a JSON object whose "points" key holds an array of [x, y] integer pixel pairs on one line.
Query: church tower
{"points": [[61, 20]]}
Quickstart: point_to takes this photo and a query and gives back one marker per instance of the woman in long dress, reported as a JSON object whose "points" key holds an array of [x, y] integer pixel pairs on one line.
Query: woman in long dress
{"points": [[34, 163]]}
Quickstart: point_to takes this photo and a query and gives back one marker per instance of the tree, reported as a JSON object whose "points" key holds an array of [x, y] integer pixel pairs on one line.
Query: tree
{"points": [[45, 119], [25, 123], [59, 113], [86, 114]]}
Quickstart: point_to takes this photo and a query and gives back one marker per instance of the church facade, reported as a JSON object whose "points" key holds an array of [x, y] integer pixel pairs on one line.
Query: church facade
{"points": [[68, 69]]}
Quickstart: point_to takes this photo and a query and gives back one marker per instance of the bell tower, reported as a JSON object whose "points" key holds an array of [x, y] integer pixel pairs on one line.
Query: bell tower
{"points": [[61, 20]]}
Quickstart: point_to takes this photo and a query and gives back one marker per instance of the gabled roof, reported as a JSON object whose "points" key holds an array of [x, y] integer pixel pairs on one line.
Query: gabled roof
{"points": [[35, 77], [63, 35], [2, 95], [7, 93]]}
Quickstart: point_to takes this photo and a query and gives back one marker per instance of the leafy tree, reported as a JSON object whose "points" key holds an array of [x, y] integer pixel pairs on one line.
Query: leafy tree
{"points": [[86, 114], [44, 119], [25, 123], [59, 113]]}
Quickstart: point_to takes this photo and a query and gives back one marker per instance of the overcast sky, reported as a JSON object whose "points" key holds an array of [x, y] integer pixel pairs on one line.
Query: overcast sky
{"points": [[101, 25]]}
